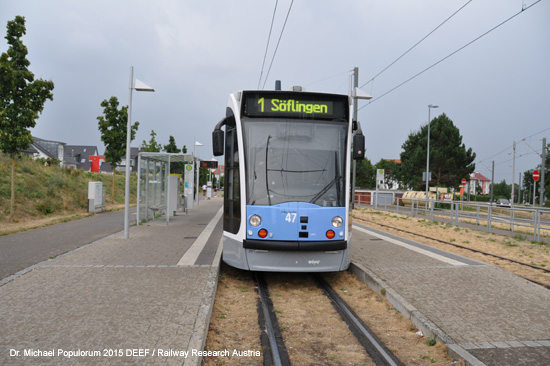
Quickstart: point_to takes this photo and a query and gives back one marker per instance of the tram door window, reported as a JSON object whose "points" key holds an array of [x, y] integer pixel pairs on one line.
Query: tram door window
{"points": [[232, 196]]}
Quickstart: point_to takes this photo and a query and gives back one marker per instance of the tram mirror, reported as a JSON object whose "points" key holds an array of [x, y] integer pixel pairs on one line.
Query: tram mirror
{"points": [[358, 147], [217, 142]]}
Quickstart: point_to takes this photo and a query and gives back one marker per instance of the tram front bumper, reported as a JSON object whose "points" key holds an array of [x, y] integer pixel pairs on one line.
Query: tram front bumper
{"points": [[302, 246]]}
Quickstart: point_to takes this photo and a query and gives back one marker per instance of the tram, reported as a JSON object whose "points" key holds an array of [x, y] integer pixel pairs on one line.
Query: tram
{"points": [[288, 175]]}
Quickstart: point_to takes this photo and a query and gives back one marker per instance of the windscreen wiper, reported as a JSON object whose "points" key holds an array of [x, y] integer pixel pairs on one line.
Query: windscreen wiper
{"points": [[325, 190]]}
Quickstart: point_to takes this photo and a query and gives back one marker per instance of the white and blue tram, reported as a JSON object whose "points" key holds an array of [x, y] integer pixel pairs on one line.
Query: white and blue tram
{"points": [[288, 175]]}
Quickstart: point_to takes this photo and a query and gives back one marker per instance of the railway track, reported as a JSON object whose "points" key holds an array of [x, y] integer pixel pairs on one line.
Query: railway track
{"points": [[275, 351], [466, 248], [272, 340]]}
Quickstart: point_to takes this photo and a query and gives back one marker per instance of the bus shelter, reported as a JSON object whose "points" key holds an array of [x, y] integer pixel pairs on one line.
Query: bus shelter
{"points": [[153, 184]]}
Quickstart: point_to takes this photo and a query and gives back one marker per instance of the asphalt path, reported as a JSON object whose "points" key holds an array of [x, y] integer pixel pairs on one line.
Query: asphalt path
{"points": [[22, 250]]}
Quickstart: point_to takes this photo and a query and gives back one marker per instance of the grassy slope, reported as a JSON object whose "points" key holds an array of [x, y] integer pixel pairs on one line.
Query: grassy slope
{"points": [[42, 191]]}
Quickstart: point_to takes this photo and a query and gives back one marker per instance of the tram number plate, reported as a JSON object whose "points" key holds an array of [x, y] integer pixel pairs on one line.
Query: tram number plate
{"points": [[291, 217]]}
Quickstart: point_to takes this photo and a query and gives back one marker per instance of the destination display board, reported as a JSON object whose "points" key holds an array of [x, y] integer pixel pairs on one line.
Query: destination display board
{"points": [[295, 105], [209, 164]]}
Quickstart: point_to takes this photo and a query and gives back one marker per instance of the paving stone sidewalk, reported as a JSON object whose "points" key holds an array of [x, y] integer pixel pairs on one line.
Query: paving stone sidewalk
{"points": [[116, 301], [476, 309]]}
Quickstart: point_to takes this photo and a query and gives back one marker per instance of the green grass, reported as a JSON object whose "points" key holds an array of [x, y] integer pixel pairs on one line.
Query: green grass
{"points": [[41, 190]]}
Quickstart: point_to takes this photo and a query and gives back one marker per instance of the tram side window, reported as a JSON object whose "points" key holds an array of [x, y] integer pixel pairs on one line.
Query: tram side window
{"points": [[232, 204]]}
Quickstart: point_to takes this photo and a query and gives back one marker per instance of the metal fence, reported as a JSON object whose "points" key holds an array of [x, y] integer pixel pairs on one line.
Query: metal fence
{"points": [[528, 220]]}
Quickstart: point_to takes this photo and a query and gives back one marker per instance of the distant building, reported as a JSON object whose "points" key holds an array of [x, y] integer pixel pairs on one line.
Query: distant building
{"points": [[69, 156], [48, 149], [479, 182], [396, 161], [76, 156], [220, 170], [81, 155], [134, 152]]}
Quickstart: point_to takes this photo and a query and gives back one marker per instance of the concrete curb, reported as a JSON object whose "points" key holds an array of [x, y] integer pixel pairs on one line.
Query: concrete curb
{"points": [[202, 322], [420, 320]]}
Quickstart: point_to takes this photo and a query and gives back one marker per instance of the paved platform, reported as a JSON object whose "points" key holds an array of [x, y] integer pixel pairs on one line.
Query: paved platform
{"points": [[117, 301], [485, 315]]}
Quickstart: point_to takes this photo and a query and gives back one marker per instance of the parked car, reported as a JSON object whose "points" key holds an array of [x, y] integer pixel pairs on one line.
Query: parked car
{"points": [[503, 202]]}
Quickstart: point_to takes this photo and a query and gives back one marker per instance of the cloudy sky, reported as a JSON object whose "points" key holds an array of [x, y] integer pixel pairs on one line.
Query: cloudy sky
{"points": [[194, 53]]}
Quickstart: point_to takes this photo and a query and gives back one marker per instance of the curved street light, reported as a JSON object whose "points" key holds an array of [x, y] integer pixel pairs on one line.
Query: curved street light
{"points": [[139, 86]]}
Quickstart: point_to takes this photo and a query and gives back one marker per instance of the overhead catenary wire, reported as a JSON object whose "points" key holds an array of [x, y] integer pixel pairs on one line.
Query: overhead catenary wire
{"points": [[267, 43], [278, 42], [510, 147], [328, 78], [517, 157], [450, 55], [416, 44]]}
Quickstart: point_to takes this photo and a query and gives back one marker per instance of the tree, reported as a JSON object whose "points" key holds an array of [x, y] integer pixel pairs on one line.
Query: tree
{"points": [[365, 174], [21, 98], [501, 190], [153, 145], [450, 161], [172, 148], [113, 126]]}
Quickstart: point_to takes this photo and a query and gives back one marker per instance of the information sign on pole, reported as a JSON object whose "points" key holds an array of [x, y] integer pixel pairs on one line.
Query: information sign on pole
{"points": [[379, 176]]}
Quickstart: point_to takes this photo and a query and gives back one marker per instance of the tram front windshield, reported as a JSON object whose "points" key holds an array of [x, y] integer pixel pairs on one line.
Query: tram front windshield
{"points": [[295, 161]]}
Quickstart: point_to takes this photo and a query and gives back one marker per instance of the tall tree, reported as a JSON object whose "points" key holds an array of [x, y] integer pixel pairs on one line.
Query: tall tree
{"points": [[450, 161], [152, 145], [21, 98], [113, 126]]}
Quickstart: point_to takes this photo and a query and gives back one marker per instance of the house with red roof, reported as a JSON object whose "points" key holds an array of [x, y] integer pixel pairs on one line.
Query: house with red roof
{"points": [[479, 183]]}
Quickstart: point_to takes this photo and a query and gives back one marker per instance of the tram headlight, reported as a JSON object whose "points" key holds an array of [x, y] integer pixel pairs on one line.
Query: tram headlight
{"points": [[255, 220], [337, 221]]}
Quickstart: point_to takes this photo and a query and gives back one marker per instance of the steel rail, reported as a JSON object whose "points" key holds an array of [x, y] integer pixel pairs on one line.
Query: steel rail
{"points": [[380, 354], [275, 344]]}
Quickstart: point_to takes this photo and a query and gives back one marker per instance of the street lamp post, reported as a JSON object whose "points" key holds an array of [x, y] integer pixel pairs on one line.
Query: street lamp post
{"points": [[139, 86], [430, 106]]}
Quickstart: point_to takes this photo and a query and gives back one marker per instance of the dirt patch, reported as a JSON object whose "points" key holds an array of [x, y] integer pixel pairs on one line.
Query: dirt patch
{"points": [[234, 322], [516, 247], [313, 332], [397, 332]]}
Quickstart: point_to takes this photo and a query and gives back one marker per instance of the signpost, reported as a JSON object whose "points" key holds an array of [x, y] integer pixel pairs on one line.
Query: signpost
{"points": [[463, 188], [379, 180], [536, 176]]}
